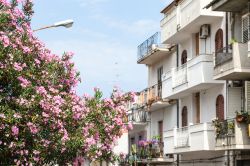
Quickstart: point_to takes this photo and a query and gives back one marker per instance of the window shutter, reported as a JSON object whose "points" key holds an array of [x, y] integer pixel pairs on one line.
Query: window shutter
{"points": [[245, 28], [247, 95]]}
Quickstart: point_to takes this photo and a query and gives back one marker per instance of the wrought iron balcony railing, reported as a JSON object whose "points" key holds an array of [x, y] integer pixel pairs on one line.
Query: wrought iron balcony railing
{"points": [[138, 116], [146, 47], [225, 128]]}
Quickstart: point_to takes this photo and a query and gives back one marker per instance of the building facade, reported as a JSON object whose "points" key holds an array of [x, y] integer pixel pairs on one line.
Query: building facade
{"points": [[198, 73]]}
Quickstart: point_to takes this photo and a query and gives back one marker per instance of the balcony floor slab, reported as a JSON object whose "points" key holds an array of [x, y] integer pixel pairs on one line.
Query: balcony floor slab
{"points": [[233, 74], [185, 91], [192, 27]]}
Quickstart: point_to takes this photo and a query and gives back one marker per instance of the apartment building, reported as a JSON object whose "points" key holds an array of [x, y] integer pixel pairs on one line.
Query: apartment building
{"points": [[198, 73], [150, 112]]}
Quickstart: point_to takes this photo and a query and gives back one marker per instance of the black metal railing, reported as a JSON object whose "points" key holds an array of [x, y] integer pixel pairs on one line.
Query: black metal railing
{"points": [[223, 55], [138, 116], [146, 47], [225, 128]]}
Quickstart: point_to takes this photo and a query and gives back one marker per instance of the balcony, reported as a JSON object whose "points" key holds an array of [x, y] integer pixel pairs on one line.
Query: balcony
{"points": [[151, 98], [232, 135], [185, 19], [138, 117], [151, 50], [195, 75], [228, 5], [155, 152], [198, 137], [232, 63]]}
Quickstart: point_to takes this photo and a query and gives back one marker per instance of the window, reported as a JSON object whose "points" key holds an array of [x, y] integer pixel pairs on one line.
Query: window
{"points": [[159, 81], [220, 107], [184, 57], [184, 117], [219, 40]]}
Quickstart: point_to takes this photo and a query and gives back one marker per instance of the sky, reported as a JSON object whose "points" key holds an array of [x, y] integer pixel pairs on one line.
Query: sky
{"points": [[104, 38]]}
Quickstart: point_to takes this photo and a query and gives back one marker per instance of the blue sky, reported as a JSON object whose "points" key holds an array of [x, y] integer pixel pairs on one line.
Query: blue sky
{"points": [[104, 38]]}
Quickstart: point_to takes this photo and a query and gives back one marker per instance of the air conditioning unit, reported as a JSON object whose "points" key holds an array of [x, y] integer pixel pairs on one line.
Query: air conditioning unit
{"points": [[204, 31]]}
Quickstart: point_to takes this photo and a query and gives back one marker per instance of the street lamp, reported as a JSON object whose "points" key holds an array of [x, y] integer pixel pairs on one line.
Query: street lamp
{"points": [[65, 23]]}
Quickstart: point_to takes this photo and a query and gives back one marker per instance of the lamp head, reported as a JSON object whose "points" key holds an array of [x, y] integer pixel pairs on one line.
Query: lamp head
{"points": [[65, 23]]}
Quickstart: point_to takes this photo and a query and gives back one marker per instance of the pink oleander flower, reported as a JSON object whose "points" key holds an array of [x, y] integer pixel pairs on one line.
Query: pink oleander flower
{"points": [[5, 40], [33, 128], [24, 82], [2, 116], [130, 126], [15, 130], [17, 66]]}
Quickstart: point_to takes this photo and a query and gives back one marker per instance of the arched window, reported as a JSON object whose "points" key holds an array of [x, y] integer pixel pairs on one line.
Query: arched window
{"points": [[184, 116], [219, 40], [220, 107], [184, 57]]}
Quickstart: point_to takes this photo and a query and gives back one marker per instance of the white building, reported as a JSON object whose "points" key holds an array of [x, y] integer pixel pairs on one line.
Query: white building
{"points": [[197, 71]]}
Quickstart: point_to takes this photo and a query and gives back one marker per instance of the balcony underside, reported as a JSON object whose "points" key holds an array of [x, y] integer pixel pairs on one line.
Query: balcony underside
{"points": [[154, 56], [139, 124], [230, 5], [192, 27], [159, 105], [157, 161], [233, 74], [183, 90], [232, 147]]}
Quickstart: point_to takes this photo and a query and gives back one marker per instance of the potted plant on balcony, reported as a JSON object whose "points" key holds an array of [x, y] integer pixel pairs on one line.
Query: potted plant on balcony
{"points": [[230, 127], [155, 146], [143, 145], [218, 126], [242, 116]]}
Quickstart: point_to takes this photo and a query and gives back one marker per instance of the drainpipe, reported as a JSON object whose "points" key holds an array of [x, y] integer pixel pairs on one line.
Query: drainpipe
{"points": [[228, 151], [226, 32], [177, 103]]}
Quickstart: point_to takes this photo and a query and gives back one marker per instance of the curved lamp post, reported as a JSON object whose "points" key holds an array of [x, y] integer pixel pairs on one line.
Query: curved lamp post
{"points": [[65, 23]]}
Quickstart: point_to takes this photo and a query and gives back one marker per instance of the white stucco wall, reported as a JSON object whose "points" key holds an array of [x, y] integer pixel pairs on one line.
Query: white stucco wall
{"points": [[167, 115], [168, 62], [208, 102]]}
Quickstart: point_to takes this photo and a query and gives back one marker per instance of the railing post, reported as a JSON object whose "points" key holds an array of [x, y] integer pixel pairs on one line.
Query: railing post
{"points": [[189, 135], [175, 136]]}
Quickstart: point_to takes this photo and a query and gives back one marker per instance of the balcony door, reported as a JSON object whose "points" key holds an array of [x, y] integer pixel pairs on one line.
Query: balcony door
{"points": [[219, 40], [220, 107], [184, 117], [159, 81], [197, 44], [197, 104]]}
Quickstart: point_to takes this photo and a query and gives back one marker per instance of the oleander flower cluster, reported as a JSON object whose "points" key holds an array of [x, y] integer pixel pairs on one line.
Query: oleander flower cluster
{"points": [[42, 119]]}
